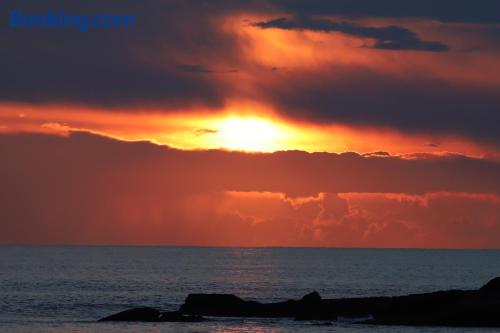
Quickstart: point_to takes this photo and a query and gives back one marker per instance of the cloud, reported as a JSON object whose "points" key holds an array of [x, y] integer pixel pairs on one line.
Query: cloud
{"points": [[295, 173], [203, 131], [479, 11], [154, 65], [368, 220], [201, 69], [87, 189], [386, 38], [432, 220], [115, 67], [193, 68], [365, 96], [378, 153]]}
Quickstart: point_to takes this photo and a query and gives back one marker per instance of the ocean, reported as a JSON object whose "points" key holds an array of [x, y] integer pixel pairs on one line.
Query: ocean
{"points": [[56, 289]]}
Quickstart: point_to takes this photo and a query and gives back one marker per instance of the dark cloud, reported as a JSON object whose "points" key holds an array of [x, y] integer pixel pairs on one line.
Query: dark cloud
{"points": [[203, 131], [193, 68], [87, 189], [410, 102], [378, 153], [202, 69], [155, 62], [473, 11], [292, 172], [386, 38], [115, 67]]}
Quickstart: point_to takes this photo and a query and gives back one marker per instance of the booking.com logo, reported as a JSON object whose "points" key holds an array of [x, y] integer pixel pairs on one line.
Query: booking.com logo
{"points": [[59, 19]]}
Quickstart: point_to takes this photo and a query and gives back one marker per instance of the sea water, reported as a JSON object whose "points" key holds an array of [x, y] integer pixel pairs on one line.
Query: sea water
{"points": [[58, 289]]}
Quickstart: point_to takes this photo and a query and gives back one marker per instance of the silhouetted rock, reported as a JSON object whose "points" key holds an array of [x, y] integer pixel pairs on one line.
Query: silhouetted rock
{"points": [[357, 307], [442, 308], [311, 298], [312, 307], [136, 314], [309, 307], [151, 315], [218, 305], [177, 316], [492, 287]]}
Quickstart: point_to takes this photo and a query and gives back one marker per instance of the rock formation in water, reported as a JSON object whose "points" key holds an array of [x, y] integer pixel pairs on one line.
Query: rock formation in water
{"points": [[223, 305], [152, 315], [442, 308]]}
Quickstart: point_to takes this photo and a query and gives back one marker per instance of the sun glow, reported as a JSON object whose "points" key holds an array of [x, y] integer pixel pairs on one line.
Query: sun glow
{"points": [[250, 134], [251, 129]]}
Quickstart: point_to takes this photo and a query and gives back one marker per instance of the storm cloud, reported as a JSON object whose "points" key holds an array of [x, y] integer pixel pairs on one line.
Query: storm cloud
{"points": [[387, 38]]}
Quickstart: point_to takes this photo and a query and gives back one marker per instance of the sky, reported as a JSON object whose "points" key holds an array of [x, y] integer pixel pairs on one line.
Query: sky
{"points": [[342, 123]]}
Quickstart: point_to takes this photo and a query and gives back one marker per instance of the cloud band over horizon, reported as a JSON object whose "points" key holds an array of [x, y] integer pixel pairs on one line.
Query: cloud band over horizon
{"points": [[87, 189]]}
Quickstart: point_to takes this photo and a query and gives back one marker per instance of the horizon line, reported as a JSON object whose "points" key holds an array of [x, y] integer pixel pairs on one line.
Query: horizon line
{"points": [[254, 247]]}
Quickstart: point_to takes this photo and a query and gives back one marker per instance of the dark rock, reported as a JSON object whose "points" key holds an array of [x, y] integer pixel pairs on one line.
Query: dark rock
{"points": [[136, 314], [474, 308], [323, 324], [177, 316], [152, 315], [492, 287], [220, 305], [312, 307], [426, 309], [232, 306], [444, 308], [358, 307], [311, 298]]}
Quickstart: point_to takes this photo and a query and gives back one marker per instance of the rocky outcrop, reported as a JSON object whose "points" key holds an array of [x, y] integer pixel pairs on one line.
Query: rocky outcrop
{"points": [[492, 288], [442, 308], [223, 305], [152, 315]]}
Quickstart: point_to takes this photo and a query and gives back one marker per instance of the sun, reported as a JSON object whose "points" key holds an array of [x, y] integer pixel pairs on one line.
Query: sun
{"points": [[247, 132], [250, 134]]}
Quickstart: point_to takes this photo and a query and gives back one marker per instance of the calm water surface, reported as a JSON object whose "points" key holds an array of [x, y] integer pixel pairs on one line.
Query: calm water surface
{"points": [[66, 289]]}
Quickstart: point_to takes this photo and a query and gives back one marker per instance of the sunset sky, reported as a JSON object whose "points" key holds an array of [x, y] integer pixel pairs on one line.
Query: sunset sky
{"points": [[341, 123]]}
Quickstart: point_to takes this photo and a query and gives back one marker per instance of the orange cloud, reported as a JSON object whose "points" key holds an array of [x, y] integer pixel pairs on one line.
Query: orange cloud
{"points": [[205, 129], [85, 189]]}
